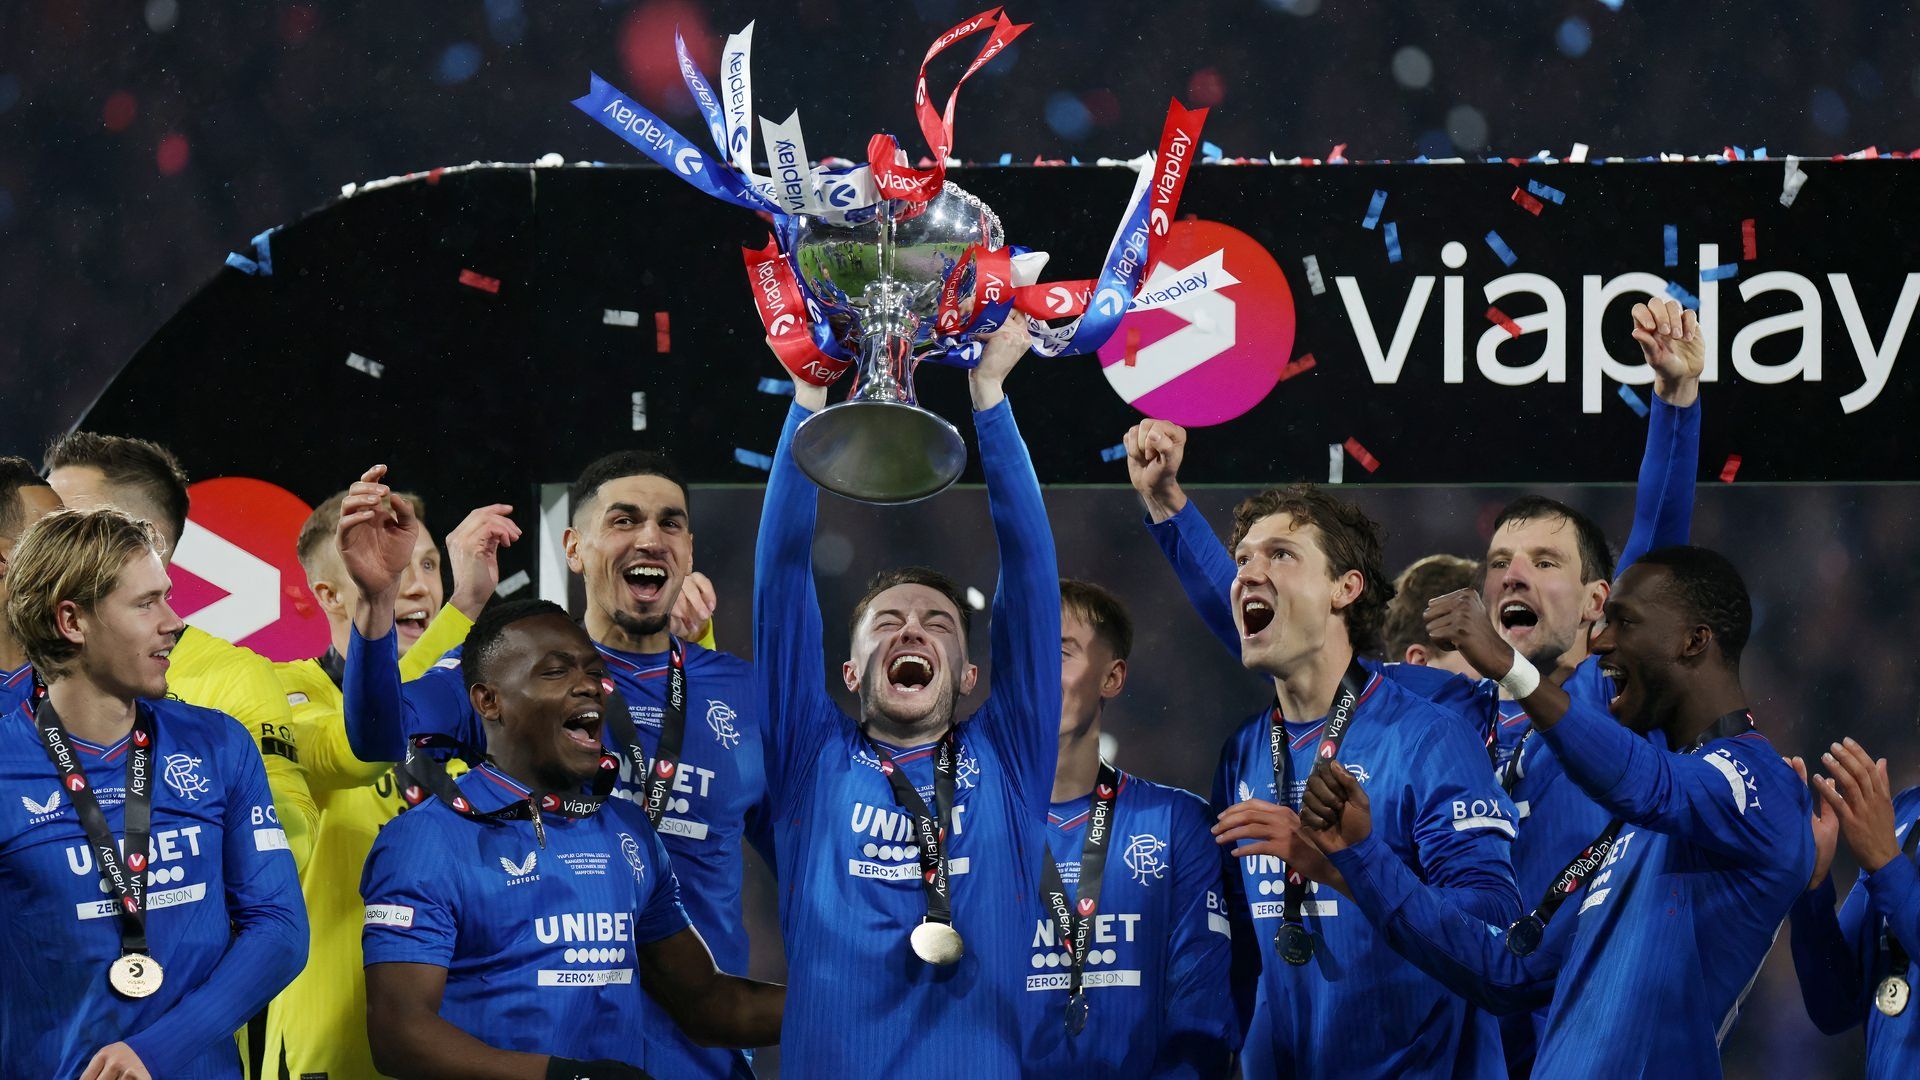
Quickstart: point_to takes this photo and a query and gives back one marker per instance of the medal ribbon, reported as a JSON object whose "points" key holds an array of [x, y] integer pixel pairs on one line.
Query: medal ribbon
{"points": [[1897, 958], [126, 876], [1339, 721], [930, 830], [425, 775], [1073, 922], [661, 770]]}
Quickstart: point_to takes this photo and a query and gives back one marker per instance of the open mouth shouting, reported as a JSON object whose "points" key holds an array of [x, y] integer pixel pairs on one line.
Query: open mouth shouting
{"points": [[412, 623], [1255, 616], [646, 581], [910, 672], [582, 729], [1517, 616], [1620, 684]]}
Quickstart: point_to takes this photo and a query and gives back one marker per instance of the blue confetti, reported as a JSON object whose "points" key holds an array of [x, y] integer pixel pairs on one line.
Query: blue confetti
{"points": [[242, 263], [1210, 152], [1738, 154], [1006, 159], [1501, 249], [1719, 273], [1673, 245], [1760, 154], [263, 250], [1393, 242], [777, 387], [1114, 453], [1633, 401], [1687, 299], [1552, 194], [1613, 5], [1373, 209], [753, 460]]}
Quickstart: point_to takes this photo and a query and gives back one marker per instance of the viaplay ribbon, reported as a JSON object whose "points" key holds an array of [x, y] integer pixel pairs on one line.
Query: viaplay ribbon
{"points": [[658, 140], [892, 176]]}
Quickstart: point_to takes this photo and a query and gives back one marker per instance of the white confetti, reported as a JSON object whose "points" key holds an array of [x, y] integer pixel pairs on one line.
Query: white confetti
{"points": [[362, 364], [1796, 178], [1314, 280], [616, 317], [976, 599], [1579, 153], [513, 584], [1336, 462], [639, 410]]}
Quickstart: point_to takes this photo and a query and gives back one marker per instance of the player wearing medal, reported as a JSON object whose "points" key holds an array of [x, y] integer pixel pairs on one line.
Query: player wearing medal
{"points": [[1681, 904], [318, 1025], [909, 841], [1308, 598], [631, 539], [509, 917], [154, 904], [1859, 965], [145, 479], [24, 499], [1149, 995]]}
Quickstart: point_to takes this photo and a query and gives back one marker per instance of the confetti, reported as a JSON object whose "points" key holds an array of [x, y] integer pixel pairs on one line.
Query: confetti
{"points": [[365, 366], [1392, 232], [1298, 367], [242, 263], [1314, 281], [639, 410], [1719, 273], [1133, 346], [976, 599], [753, 460], [1579, 153], [777, 387], [1501, 249], [1680, 293], [1378, 204], [1552, 194], [1336, 463], [1633, 401], [662, 339], [1209, 152], [1728, 470], [262, 262], [1749, 245], [1114, 452], [1528, 203], [1367, 461], [1337, 154], [434, 175], [474, 280], [616, 317], [1500, 318], [1795, 179], [1672, 233], [512, 585]]}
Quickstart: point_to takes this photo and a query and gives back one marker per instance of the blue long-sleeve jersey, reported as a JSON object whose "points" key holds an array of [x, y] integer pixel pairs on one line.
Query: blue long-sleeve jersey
{"points": [[1156, 972], [15, 685], [716, 797], [859, 1002], [1673, 927], [225, 919], [541, 943], [1356, 1008], [1841, 958]]}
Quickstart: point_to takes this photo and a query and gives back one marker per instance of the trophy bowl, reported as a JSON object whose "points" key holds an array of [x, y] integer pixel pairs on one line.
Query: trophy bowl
{"points": [[877, 284]]}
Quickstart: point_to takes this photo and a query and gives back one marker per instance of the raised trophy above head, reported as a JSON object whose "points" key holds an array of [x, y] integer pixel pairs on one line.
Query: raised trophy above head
{"points": [[880, 265]]}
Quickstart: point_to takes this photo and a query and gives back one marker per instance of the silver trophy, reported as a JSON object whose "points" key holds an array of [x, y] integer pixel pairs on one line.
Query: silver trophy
{"points": [[877, 283]]}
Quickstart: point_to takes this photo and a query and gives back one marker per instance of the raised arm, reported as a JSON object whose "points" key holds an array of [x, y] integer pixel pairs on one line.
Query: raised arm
{"points": [[1669, 339], [269, 943], [376, 537], [1205, 568]]}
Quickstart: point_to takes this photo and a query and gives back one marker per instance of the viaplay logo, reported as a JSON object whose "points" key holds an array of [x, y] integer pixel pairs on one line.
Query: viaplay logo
{"points": [[1207, 359], [236, 575]]}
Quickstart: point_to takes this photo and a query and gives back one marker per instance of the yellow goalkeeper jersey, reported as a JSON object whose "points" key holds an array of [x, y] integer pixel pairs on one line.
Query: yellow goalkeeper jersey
{"points": [[317, 1027]]}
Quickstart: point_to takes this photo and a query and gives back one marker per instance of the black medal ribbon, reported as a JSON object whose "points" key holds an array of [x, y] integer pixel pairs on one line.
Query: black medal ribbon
{"points": [[1524, 936], [930, 827], [1073, 922], [125, 876], [423, 774], [1292, 941], [659, 772]]}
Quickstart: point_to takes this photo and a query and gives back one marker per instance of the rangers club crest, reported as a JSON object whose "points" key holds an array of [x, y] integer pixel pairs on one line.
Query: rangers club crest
{"points": [[1143, 857], [183, 776], [720, 717]]}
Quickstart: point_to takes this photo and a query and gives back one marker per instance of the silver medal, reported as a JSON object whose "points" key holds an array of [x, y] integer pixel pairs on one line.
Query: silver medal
{"points": [[937, 943], [1890, 997], [137, 975]]}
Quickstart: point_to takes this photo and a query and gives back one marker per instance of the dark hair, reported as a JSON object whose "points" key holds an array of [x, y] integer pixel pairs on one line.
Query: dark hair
{"points": [[1714, 594], [1433, 576], [145, 468], [912, 575], [486, 640], [1348, 538], [1103, 611], [623, 463], [317, 533], [15, 473], [1596, 558]]}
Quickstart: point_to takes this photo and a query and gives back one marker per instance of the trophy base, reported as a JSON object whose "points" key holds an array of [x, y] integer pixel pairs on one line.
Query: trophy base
{"points": [[879, 451]]}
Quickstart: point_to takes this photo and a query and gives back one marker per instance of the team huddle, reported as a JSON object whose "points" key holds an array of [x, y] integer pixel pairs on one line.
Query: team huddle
{"points": [[1504, 816]]}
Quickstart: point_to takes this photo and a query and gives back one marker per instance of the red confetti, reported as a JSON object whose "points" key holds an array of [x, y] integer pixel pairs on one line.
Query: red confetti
{"points": [[433, 175], [1339, 153], [1297, 367], [119, 111], [1505, 323], [482, 282], [1133, 345], [662, 333], [1728, 470], [1749, 247], [172, 154], [1359, 453], [1527, 202]]}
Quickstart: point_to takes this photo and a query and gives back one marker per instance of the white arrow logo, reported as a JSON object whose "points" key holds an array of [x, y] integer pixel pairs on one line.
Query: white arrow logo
{"points": [[781, 325], [251, 583], [1210, 331], [1158, 221], [1059, 299], [1110, 302], [687, 160]]}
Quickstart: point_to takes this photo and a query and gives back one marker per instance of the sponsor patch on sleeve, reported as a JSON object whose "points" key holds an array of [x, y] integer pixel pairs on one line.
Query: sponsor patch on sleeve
{"points": [[296, 698], [270, 840], [447, 663], [399, 916]]}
